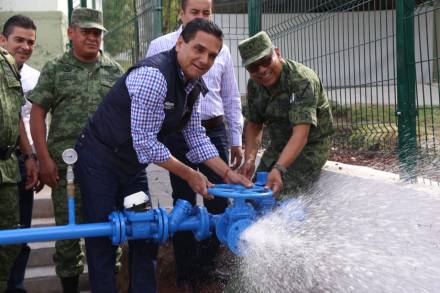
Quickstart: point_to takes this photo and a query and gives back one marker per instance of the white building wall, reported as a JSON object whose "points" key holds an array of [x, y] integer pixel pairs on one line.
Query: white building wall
{"points": [[33, 5], [50, 17]]}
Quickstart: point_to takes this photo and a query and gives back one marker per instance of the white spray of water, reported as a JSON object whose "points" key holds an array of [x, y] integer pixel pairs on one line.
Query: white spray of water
{"points": [[358, 236]]}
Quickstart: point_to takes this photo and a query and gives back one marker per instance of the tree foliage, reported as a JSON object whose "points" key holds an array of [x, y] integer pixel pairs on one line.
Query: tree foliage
{"points": [[170, 15], [120, 22]]}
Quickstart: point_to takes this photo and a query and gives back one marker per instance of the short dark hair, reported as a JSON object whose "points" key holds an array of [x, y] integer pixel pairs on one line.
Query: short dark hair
{"points": [[184, 2], [200, 24], [18, 20]]}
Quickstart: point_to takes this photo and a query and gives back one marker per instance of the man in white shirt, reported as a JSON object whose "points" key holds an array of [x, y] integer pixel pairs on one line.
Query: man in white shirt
{"points": [[221, 104], [29, 79], [18, 37]]}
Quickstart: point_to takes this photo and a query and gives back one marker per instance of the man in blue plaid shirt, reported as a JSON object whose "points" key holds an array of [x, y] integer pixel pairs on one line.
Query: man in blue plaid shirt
{"points": [[220, 111], [155, 98]]}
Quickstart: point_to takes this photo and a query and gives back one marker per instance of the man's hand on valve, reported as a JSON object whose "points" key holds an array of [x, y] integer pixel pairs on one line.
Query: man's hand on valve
{"points": [[247, 169], [233, 177], [200, 184], [275, 182]]}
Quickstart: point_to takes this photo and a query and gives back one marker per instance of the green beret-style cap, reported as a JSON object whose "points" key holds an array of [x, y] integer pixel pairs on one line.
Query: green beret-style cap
{"points": [[255, 48], [87, 18]]}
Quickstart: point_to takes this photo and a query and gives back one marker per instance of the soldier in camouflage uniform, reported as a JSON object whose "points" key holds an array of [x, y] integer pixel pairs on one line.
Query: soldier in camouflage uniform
{"points": [[289, 100], [11, 128], [70, 87]]}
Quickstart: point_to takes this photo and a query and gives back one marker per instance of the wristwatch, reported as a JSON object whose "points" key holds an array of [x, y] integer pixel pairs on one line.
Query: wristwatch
{"points": [[25, 157], [280, 168]]}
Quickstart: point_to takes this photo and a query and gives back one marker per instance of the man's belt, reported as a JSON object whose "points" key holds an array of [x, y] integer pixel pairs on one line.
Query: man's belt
{"points": [[213, 122]]}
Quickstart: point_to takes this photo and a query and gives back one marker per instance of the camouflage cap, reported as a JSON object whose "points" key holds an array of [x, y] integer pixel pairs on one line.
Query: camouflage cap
{"points": [[255, 48], [87, 18]]}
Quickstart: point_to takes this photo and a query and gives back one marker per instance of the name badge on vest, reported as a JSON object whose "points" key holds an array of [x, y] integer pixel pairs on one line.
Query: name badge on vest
{"points": [[168, 106]]}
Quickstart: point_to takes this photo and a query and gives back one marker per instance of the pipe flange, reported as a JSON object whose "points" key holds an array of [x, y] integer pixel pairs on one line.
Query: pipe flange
{"points": [[123, 222], [162, 225], [235, 241], [203, 231], [116, 228]]}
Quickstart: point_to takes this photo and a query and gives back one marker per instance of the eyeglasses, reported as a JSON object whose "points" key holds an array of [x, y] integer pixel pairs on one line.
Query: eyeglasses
{"points": [[265, 62]]}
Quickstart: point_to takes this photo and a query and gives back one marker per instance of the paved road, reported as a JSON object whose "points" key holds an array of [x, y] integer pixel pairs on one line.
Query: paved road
{"points": [[160, 187]]}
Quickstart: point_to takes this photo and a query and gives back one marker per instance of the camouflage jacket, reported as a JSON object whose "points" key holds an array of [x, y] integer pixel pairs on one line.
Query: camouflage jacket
{"points": [[297, 98], [71, 91], [11, 100]]}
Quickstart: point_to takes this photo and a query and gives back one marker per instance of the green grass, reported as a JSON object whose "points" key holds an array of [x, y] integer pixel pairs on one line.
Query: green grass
{"points": [[374, 127]]}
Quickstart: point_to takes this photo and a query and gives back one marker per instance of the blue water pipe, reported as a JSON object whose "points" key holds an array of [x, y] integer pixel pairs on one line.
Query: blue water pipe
{"points": [[247, 205]]}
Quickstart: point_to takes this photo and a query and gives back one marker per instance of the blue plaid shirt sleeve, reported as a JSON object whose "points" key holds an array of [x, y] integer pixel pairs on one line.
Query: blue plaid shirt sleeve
{"points": [[200, 147], [147, 88]]}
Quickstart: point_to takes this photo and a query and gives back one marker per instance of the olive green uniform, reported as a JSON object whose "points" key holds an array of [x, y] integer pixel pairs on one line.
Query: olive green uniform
{"points": [[297, 98], [71, 91], [11, 100]]}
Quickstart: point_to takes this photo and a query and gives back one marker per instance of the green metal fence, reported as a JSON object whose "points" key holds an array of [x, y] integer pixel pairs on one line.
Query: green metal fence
{"points": [[378, 60], [131, 26], [426, 19]]}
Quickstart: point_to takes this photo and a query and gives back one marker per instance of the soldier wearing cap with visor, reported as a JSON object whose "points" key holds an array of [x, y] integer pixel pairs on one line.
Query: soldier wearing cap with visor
{"points": [[289, 100], [12, 132], [70, 88]]}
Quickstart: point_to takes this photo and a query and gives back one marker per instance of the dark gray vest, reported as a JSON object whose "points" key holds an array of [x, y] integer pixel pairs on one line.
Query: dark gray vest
{"points": [[109, 129]]}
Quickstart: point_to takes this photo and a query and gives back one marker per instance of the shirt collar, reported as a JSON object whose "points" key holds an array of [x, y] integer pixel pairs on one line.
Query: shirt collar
{"points": [[179, 30], [190, 84], [23, 68], [69, 58]]}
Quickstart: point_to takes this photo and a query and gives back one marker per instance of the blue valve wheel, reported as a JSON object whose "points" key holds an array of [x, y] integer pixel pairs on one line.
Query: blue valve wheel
{"points": [[239, 191]]}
